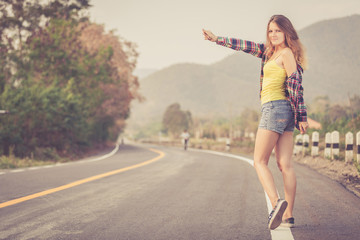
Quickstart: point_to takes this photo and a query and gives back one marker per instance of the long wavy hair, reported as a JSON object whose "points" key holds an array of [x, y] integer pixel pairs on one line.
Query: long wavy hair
{"points": [[292, 40]]}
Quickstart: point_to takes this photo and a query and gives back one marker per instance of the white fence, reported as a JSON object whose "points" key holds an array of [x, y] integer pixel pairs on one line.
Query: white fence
{"points": [[332, 145]]}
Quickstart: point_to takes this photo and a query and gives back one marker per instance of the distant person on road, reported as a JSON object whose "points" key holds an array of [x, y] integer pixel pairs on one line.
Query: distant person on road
{"points": [[282, 107], [185, 138]]}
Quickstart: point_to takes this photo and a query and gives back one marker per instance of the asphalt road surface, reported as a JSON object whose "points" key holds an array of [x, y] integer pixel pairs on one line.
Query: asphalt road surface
{"points": [[166, 193]]}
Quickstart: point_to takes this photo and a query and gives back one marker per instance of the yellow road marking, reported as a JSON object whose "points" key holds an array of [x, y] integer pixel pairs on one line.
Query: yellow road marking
{"points": [[82, 181]]}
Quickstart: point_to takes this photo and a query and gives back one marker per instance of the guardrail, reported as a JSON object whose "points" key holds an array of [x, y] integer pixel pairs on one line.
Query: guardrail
{"points": [[4, 111], [331, 146]]}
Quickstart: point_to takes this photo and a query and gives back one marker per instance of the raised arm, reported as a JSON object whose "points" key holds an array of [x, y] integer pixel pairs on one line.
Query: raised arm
{"points": [[255, 49]]}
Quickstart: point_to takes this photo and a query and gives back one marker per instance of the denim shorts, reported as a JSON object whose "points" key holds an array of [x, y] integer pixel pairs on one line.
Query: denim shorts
{"points": [[277, 116]]}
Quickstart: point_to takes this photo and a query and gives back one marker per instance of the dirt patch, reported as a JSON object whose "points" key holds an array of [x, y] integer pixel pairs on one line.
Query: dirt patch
{"points": [[344, 173]]}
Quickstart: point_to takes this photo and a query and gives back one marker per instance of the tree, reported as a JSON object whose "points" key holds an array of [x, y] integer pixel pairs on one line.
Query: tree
{"points": [[176, 120], [354, 109], [336, 112], [20, 19], [123, 86], [44, 117], [69, 87], [248, 120]]}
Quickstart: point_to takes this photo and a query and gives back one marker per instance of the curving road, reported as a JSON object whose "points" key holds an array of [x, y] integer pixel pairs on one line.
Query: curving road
{"points": [[166, 193]]}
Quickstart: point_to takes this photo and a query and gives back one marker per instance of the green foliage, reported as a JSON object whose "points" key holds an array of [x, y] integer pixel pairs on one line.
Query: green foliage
{"points": [[342, 118], [149, 131], [21, 18], [41, 117], [357, 165], [248, 120], [46, 153], [11, 161], [62, 95]]}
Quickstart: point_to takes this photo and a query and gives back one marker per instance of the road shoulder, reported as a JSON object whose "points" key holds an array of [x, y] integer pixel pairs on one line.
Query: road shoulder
{"points": [[344, 173]]}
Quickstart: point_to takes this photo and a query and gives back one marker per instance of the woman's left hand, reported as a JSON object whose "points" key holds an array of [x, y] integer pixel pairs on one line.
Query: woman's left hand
{"points": [[208, 35], [303, 126]]}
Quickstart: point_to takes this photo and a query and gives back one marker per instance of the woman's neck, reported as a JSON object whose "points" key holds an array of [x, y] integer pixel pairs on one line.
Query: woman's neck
{"points": [[279, 47]]}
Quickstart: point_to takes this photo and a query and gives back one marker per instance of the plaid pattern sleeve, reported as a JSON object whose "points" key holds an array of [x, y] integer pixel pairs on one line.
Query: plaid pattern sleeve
{"points": [[294, 89], [295, 96], [255, 49]]}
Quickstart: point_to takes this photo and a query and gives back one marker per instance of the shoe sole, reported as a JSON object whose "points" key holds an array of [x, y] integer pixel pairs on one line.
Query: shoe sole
{"points": [[277, 217], [287, 225]]}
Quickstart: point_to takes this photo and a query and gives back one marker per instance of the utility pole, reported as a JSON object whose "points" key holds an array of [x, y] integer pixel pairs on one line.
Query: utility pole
{"points": [[230, 104], [352, 111]]}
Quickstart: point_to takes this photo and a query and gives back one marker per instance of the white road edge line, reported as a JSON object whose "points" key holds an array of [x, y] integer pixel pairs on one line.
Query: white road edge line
{"points": [[281, 233], [33, 168], [18, 170], [62, 164]]}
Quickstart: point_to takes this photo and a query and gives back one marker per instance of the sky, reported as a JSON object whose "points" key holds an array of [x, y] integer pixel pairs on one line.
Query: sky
{"points": [[168, 32]]}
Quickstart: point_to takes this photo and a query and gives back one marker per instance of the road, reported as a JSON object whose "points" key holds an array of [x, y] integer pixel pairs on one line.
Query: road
{"points": [[166, 193]]}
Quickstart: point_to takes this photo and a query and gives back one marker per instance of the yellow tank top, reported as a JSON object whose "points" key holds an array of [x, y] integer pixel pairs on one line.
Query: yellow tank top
{"points": [[273, 87]]}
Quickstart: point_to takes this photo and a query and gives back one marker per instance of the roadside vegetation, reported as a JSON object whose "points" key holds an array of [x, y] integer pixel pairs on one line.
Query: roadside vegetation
{"points": [[212, 132], [66, 83], [11, 162]]}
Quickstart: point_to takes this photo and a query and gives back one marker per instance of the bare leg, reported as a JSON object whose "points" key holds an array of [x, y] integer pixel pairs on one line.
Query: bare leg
{"points": [[283, 152], [264, 144]]}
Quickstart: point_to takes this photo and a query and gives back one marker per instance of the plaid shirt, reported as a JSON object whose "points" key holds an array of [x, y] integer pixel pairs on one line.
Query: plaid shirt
{"points": [[294, 89]]}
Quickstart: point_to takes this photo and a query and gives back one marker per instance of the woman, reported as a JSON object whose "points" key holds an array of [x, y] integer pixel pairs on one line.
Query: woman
{"points": [[283, 107]]}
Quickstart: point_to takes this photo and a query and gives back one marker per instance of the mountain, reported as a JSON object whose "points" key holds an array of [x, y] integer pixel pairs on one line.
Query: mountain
{"points": [[334, 58], [232, 84], [143, 72]]}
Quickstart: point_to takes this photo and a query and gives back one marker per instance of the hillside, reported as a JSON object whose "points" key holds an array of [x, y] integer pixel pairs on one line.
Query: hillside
{"points": [[232, 84], [334, 58]]}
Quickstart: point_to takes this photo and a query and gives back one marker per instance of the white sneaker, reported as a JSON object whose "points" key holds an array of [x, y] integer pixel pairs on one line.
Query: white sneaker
{"points": [[276, 214]]}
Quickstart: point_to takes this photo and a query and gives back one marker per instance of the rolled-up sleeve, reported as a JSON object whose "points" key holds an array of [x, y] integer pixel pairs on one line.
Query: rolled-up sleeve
{"points": [[255, 49]]}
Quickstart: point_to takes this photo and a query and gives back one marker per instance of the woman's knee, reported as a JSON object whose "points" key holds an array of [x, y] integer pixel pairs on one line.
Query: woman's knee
{"points": [[279, 166], [260, 163], [285, 166]]}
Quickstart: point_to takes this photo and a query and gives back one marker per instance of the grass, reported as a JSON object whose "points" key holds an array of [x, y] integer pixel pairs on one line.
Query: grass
{"points": [[11, 162], [357, 165], [47, 156]]}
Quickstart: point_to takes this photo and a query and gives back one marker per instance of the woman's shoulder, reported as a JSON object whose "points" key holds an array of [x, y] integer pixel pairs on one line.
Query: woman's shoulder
{"points": [[287, 52], [288, 55]]}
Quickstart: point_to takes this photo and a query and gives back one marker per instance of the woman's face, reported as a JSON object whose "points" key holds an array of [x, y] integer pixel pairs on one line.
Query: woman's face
{"points": [[276, 36]]}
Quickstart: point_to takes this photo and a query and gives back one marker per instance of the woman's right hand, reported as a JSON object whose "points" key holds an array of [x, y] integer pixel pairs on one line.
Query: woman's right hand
{"points": [[303, 126], [208, 35]]}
